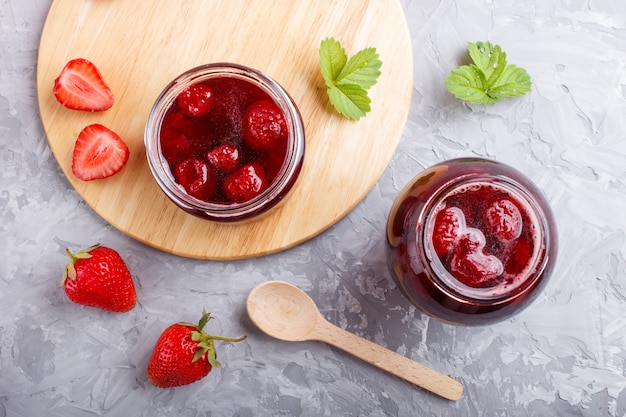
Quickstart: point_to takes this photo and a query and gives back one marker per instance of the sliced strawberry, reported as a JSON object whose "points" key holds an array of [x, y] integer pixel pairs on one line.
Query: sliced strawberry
{"points": [[80, 86], [264, 125], [197, 178], [245, 183], [196, 100], [224, 158], [449, 223], [98, 153], [503, 219]]}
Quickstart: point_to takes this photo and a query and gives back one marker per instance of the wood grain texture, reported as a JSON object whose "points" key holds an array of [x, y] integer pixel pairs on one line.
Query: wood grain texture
{"points": [[139, 46]]}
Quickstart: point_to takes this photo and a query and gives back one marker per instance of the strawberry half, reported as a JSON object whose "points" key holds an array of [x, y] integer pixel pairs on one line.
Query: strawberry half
{"points": [[80, 86], [98, 277], [183, 354], [98, 153]]}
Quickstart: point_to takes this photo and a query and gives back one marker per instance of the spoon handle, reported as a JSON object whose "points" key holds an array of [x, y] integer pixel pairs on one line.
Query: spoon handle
{"points": [[390, 361]]}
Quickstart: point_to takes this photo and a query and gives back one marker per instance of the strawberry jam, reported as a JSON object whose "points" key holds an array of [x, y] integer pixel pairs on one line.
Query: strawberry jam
{"points": [[225, 142], [471, 241]]}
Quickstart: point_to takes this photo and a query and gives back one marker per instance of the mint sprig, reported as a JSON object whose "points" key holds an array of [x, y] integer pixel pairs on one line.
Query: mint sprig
{"points": [[348, 80], [489, 78]]}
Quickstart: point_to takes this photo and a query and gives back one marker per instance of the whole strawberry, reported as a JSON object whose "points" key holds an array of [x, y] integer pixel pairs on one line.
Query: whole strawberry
{"points": [[184, 354], [98, 277]]}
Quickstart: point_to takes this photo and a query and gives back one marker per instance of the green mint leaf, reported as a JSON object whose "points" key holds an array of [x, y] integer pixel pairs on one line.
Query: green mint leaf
{"points": [[350, 100], [490, 59], [333, 58], [514, 81], [348, 80], [489, 78], [362, 69], [468, 83]]}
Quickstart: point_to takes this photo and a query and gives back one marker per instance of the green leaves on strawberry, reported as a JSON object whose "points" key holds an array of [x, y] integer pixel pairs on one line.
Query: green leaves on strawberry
{"points": [[184, 353], [98, 277]]}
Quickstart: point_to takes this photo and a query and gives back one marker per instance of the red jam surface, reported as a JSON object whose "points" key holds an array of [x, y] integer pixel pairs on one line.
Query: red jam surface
{"points": [[224, 139], [485, 236]]}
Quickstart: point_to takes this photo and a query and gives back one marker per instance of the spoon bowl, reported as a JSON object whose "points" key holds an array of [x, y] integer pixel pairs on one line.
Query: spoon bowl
{"points": [[285, 312]]}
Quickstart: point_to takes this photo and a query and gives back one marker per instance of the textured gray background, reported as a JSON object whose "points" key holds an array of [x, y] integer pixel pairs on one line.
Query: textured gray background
{"points": [[564, 356]]}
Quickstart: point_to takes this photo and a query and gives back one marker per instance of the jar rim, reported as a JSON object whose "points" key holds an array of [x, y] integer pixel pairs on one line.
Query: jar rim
{"points": [[225, 211]]}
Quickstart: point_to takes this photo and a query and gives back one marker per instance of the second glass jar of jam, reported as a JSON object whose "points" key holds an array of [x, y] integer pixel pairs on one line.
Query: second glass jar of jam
{"points": [[471, 241]]}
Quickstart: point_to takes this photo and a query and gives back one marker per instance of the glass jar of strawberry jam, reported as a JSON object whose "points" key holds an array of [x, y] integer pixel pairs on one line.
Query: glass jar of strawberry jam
{"points": [[471, 241], [225, 142]]}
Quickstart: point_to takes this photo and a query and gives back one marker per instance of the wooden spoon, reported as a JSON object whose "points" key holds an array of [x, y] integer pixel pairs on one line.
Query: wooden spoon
{"points": [[285, 312]]}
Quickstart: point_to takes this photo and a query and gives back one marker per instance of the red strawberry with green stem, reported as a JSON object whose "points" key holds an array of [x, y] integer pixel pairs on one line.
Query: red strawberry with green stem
{"points": [[184, 353], [80, 86], [98, 277], [98, 153]]}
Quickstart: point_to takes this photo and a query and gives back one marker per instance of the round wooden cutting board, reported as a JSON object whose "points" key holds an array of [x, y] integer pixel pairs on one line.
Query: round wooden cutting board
{"points": [[139, 46]]}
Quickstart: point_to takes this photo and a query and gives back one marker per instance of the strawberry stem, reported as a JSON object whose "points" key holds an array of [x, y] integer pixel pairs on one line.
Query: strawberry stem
{"points": [[227, 339], [70, 270], [205, 341]]}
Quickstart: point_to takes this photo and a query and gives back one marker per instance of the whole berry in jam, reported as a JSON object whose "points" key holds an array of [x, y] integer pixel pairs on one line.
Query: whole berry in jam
{"points": [[175, 146], [518, 257], [224, 158], [503, 219], [470, 264], [196, 177], [246, 183], [448, 226], [196, 100], [264, 125]]}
